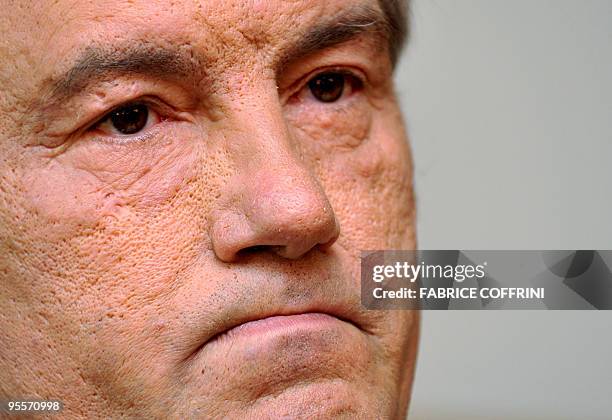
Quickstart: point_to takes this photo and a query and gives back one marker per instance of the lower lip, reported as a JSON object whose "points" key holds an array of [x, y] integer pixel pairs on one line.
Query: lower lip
{"points": [[282, 324]]}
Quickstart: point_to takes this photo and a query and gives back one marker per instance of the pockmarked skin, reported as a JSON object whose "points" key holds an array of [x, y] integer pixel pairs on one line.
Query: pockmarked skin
{"points": [[131, 265]]}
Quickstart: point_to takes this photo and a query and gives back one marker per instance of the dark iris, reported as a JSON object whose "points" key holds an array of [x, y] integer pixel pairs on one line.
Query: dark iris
{"points": [[129, 119], [327, 87]]}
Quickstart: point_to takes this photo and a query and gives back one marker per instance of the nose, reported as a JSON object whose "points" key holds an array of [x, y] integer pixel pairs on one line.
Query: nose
{"points": [[274, 203]]}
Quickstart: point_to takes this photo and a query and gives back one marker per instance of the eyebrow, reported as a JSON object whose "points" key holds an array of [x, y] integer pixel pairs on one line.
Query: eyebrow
{"points": [[98, 63], [342, 28]]}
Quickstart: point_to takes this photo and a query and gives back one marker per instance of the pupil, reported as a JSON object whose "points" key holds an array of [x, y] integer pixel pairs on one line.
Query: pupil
{"points": [[130, 119], [327, 87]]}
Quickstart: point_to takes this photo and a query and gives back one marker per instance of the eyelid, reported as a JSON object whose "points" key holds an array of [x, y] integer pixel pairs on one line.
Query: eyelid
{"points": [[144, 100], [302, 82], [166, 113], [127, 139]]}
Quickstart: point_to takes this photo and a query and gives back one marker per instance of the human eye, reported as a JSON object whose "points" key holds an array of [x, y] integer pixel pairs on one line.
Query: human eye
{"points": [[131, 120], [331, 85]]}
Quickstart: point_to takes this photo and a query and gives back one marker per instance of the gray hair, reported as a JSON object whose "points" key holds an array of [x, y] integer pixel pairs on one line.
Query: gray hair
{"points": [[396, 13]]}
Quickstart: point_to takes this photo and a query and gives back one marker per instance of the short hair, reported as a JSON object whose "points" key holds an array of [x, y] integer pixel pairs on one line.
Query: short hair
{"points": [[396, 13]]}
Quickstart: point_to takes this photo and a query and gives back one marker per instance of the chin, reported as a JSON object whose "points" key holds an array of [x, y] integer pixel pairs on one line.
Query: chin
{"points": [[324, 399], [308, 376]]}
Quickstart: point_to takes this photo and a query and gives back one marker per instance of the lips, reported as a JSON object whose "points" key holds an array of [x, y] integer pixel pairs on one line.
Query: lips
{"points": [[282, 321]]}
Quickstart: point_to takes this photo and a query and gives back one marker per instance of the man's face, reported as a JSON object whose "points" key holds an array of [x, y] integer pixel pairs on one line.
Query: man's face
{"points": [[185, 188]]}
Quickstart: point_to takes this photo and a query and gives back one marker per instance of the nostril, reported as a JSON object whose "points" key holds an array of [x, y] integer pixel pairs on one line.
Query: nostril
{"points": [[256, 249]]}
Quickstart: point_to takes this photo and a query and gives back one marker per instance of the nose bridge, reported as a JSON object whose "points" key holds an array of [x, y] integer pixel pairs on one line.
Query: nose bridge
{"points": [[262, 132], [264, 149]]}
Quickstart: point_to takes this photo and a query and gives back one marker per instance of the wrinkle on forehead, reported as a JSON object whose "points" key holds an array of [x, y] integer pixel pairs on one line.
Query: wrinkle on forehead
{"points": [[66, 27]]}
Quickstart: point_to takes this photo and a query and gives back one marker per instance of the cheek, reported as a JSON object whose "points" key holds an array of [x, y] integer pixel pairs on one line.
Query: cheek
{"points": [[375, 203], [325, 128], [110, 227], [101, 280], [361, 156], [94, 183]]}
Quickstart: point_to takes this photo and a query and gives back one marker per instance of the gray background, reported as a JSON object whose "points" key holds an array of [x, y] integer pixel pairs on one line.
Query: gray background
{"points": [[509, 109]]}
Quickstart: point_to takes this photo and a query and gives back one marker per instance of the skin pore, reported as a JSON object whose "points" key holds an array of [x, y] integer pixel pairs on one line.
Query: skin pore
{"points": [[206, 263]]}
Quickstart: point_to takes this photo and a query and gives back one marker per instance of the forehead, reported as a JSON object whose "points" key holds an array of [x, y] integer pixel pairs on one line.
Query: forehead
{"points": [[61, 30]]}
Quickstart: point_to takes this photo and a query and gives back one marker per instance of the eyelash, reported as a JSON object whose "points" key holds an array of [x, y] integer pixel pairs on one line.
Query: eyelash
{"points": [[152, 105], [358, 81]]}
